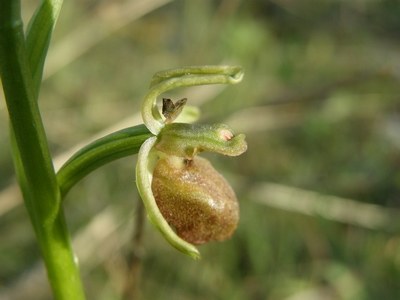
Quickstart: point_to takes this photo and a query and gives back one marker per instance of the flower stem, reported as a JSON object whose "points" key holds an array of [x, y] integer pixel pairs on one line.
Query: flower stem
{"points": [[32, 158], [102, 151]]}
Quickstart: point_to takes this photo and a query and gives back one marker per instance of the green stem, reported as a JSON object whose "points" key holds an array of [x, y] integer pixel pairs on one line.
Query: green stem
{"points": [[102, 151], [33, 162]]}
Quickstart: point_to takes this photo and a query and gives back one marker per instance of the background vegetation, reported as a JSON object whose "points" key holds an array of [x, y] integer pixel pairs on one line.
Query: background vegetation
{"points": [[319, 187]]}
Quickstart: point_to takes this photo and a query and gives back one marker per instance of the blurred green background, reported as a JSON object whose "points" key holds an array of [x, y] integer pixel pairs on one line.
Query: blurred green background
{"points": [[319, 187]]}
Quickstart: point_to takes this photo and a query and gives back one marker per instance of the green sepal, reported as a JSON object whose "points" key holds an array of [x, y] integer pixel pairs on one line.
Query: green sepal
{"points": [[183, 77], [147, 159]]}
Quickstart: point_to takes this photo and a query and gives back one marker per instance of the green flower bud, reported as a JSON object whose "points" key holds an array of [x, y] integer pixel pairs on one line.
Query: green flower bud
{"points": [[194, 198]]}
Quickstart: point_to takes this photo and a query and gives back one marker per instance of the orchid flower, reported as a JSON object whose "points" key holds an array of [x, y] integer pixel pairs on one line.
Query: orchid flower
{"points": [[177, 188]]}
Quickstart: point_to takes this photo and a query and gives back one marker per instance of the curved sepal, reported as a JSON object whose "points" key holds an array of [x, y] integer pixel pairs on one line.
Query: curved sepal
{"points": [[144, 173], [183, 77]]}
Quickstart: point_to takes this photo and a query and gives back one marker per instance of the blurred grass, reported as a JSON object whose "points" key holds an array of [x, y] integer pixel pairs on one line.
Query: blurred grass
{"points": [[319, 106]]}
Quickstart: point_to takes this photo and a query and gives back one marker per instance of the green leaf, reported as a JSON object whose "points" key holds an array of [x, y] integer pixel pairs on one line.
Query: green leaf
{"points": [[38, 36]]}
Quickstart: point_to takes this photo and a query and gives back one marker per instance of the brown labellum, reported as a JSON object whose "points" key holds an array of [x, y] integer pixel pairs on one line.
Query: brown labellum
{"points": [[194, 198]]}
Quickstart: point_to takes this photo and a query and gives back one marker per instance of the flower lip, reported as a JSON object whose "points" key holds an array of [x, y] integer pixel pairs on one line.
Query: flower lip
{"points": [[195, 199]]}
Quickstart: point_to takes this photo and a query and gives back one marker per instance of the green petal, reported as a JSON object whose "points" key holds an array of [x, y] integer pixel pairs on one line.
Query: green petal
{"points": [[186, 140]]}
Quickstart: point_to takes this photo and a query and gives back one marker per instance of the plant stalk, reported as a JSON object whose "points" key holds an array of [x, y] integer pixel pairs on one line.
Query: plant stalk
{"points": [[32, 158]]}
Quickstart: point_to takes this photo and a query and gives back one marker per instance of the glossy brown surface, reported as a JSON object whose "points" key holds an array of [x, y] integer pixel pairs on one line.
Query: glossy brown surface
{"points": [[195, 199]]}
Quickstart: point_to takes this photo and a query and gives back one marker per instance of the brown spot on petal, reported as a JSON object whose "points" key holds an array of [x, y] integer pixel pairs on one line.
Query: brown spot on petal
{"points": [[195, 199]]}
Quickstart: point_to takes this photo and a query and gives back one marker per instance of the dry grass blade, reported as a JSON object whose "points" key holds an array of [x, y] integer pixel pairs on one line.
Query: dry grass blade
{"points": [[110, 18], [328, 207]]}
